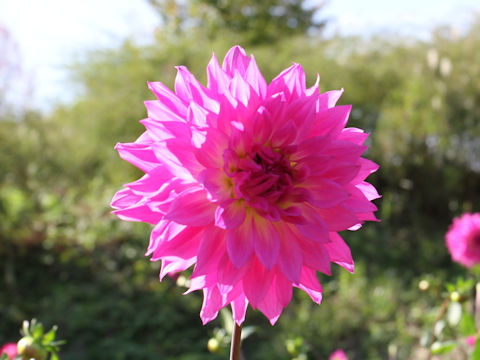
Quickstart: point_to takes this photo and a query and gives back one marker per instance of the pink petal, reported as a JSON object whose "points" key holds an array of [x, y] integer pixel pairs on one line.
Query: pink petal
{"points": [[162, 232], [368, 190], [270, 305], [331, 121], [240, 243], [152, 182], [138, 211], [302, 112], [231, 214], [183, 246], [218, 80], [367, 167], [188, 88], [255, 78], [179, 158], [341, 172], [166, 130], [311, 91], [212, 303], [283, 289], [125, 198], [314, 227], [328, 99], [310, 147], [218, 184], [228, 275], [284, 135], [197, 115], [168, 98], [339, 252], [201, 282], [210, 153], [338, 218], [241, 90], [140, 155], [354, 135], [256, 282], [309, 283], [266, 241], [191, 207], [159, 111], [316, 256], [345, 150], [239, 308], [210, 251], [170, 267], [291, 80], [261, 127], [360, 205], [236, 60], [290, 258], [325, 193]]}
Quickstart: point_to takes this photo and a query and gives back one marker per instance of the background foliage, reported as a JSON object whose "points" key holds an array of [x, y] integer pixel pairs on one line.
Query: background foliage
{"points": [[67, 261]]}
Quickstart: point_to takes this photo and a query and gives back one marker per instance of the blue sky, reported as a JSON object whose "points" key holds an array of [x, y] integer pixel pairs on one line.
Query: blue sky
{"points": [[51, 32]]}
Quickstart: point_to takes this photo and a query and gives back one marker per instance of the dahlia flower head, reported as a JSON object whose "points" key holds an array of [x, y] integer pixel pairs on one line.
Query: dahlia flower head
{"points": [[338, 355], [463, 239], [249, 183], [10, 349]]}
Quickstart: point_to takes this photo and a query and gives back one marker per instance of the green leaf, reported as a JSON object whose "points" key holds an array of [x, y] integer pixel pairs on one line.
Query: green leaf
{"points": [[49, 336], [467, 324], [450, 287], [439, 348], [247, 331], [476, 352], [4, 357], [57, 342], [227, 320], [37, 331]]}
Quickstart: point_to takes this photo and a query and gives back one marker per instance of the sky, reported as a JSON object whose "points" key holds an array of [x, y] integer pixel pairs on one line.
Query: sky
{"points": [[50, 33]]}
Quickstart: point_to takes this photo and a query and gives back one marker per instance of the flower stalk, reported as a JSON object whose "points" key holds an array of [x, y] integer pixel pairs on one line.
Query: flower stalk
{"points": [[236, 342], [476, 313]]}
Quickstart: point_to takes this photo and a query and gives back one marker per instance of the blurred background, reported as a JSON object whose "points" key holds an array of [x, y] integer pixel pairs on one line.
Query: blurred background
{"points": [[72, 83]]}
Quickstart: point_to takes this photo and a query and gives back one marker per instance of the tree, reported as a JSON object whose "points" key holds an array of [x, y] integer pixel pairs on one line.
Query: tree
{"points": [[252, 22]]}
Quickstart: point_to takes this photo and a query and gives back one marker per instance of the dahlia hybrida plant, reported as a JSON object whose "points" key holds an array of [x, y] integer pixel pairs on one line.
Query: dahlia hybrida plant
{"points": [[249, 183], [463, 239]]}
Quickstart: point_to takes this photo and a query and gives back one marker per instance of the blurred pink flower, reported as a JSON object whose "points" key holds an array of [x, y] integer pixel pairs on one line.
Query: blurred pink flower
{"points": [[248, 182], [10, 349], [338, 355], [471, 340], [463, 239]]}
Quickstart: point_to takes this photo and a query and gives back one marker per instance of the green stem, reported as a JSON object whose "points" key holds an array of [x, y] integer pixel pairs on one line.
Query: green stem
{"points": [[441, 313], [236, 340], [476, 300]]}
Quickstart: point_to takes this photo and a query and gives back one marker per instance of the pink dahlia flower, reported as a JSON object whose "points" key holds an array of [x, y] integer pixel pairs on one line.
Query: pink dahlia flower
{"points": [[338, 355], [249, 183], [463, 239], [471, 340], [10, 349]]}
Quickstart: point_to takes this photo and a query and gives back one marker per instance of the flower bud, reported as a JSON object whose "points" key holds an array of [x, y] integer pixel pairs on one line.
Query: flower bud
{"points": [[213, 345], [455, 296], [423, 285], [29, 349]]}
